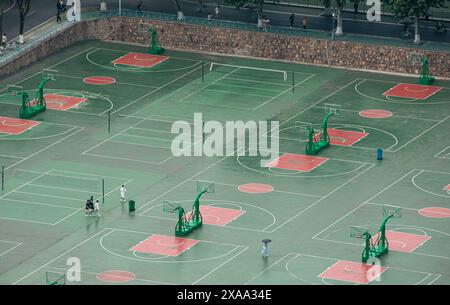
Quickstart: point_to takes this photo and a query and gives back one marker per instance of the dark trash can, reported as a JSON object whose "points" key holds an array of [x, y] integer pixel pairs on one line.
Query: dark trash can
{"points": [[131, 206]]}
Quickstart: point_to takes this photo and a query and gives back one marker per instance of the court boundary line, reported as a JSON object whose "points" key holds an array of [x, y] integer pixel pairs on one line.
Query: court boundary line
{"points": [[325, 196], [298, 254], [50, 67], [97, 273], [284, 92], [179, 184], [155, 90], [222, 264], [274, 190], [17, 244], [59, 256], [47, 147], [442, 151]]}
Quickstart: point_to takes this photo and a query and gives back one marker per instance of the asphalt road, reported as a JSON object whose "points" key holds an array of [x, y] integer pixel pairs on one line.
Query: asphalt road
{"points": [[42, 10]]}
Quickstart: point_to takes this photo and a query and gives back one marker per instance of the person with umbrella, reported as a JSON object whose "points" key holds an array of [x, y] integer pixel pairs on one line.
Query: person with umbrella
{"points": [[265, 249]]}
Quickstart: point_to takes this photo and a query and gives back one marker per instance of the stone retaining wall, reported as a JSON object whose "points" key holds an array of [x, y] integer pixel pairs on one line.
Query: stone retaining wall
{"points": [[237, 42]]}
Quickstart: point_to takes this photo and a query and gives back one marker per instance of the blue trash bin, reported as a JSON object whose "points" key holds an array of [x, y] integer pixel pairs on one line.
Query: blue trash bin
{"points": [[379, 154]]}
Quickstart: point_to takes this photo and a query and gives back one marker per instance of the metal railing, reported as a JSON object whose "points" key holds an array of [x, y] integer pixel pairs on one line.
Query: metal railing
{"points": [[10, 54], [316, 34], [15, 49]]}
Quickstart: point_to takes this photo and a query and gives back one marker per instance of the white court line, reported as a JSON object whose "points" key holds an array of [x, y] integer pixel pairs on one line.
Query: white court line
{"points": [[178, 185], [394, 115], [26, 183], [438, 277], [394, 82], [324, 197], [123, 159], [262, 82], [270, 266], [202, 88], [274, 190], [137, 144], [246, 87], [68, 216], [315, 104], [62, 188], [419, 135], [111, 137], [442, 157], [97, 273], [56, 175], [10, 249], [120, 83], [285, 91], [80, 209], [413, 181], [39, 203], [38, 73], [142, 137], [225, 262], [9, 156], [24, 220], [153, 91], [39, 268], [356, 208], [45, 148], [235, 93], [51, 196], [125, 51]]}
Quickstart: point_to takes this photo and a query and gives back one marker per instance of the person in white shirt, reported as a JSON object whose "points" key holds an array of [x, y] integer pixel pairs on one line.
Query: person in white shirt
{"points": [[97, 208], [4, 40], [123, 191]]}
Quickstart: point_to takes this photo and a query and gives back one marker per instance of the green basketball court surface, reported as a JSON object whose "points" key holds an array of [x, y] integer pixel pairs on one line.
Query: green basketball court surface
{"points": [[108, 123]]}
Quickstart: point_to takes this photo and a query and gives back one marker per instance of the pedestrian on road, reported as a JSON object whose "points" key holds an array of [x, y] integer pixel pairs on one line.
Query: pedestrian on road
{"points": [[291, 20], [210, 15], [139, 7], [58, 16], [355, 7], [4, 40], [304, 23], [217, 12]]}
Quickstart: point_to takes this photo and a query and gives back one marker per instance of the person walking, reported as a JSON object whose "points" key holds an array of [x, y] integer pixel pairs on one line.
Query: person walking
{"points": [[217, 12], [58, 16], [97, 208], [210, 15], [139, 7], [304, 22], [123, 191], [4, 40], [355, 7], [291, 20]]}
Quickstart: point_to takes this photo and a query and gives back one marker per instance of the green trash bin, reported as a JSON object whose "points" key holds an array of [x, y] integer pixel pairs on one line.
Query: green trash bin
{"points": [[131, 206]]}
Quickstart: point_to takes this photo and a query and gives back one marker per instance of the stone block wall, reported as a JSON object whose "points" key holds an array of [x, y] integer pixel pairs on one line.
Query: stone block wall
{"points": [[205, 38]]}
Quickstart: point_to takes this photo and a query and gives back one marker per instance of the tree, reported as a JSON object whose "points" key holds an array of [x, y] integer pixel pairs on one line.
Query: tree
{"points": [[24, 8], [339, 7], [259, 4], [414, 8], [179, 10]]}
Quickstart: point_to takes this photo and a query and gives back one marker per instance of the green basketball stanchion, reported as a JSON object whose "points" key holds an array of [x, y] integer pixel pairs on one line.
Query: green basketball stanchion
{"points": [[131, 206]]}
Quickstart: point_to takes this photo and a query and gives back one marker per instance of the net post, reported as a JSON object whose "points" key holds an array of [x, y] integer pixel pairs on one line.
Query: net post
{"points": [[3, 177], [293, 82], [203, 72], [103, 190], [203, 132], [109, 121]]}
